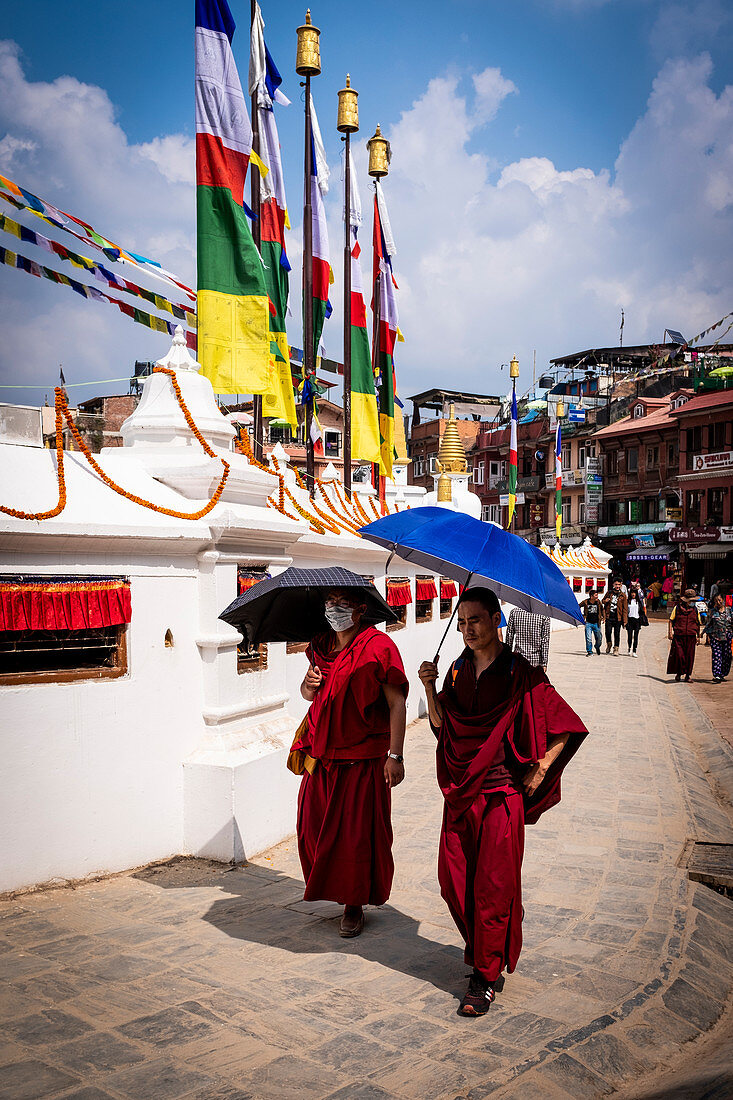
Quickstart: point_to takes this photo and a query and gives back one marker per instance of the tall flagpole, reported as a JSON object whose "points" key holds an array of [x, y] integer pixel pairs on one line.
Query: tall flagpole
{"points": [[347, 123], [379, 157], [308, 64], [258, 433]]}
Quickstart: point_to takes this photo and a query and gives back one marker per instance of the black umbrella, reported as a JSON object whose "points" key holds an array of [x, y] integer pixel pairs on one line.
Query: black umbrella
{"points": [[289, 607]]}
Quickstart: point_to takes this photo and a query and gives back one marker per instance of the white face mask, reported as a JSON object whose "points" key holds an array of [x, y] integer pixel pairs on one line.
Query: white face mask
{"points": [[338, 616]]}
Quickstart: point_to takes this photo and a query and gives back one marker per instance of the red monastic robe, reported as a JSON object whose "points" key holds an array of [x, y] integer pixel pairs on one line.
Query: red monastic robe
{"points": [[481, 756], [344, 826]]}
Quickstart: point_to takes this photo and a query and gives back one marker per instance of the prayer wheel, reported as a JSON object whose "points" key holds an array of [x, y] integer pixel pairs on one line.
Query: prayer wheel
{"points": [[514, 368], [380, 154], [347, 121], [308, 56]]}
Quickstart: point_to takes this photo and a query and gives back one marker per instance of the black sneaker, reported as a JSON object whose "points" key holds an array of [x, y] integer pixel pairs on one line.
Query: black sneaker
{"points": [[478, 997]]}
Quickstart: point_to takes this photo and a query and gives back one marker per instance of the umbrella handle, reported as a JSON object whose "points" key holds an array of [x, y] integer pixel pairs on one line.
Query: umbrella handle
{"points": [[445, 632]]}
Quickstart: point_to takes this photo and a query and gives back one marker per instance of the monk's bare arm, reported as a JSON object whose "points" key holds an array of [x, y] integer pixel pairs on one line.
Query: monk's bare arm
{"points": [[428, 673], [537, 772], [311, 683], [394, 770]]}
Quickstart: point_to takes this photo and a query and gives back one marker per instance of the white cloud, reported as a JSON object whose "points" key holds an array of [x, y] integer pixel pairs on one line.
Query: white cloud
{"points": [[681, 29], [492, 258]]}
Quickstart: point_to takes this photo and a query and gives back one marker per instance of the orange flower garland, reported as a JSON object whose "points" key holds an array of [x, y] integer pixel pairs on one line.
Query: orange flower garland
{"points": [[61, 504]]}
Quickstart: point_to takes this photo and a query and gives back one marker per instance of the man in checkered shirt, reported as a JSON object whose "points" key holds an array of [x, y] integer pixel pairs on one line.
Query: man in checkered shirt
{"points": [[529, 634]]}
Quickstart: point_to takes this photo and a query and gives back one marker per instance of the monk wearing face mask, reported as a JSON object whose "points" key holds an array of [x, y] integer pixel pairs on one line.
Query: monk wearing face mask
{"points": [[354, 736]]}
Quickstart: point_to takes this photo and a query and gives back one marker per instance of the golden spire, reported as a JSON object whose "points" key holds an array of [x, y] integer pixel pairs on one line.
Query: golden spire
{"points": [[451, 455]]}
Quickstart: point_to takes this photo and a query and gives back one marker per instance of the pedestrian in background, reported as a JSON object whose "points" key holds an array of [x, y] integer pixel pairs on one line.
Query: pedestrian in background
{"points": [[529, 634], [656, 590], [592, 609], [719, 631], [684, 635], [637, 617], [615, 613]]}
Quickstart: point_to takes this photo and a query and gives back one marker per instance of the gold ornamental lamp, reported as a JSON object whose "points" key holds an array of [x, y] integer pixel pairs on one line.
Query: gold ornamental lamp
{"points": [[347, 120], [308, 56], [380, 154], [514, 368]]}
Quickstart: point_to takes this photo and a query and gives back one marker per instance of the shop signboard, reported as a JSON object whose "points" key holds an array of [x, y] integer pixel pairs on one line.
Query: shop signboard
{"points": [[593, 465], [524, 484], [674, 515], [504, 499], [536, 515], [694, 534], [726, 534], [723, 460], [592, 514], [643, 540]]}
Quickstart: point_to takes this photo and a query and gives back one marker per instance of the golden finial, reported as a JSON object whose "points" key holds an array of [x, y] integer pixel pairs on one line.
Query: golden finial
{"points": [[347, 120], [451, 454], [308, 55], [380, 154]]}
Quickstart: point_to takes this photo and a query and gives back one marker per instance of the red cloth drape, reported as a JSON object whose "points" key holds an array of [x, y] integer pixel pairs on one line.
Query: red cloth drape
{"points": [[447, 590], [244, 583], [399, 593], [589, 582], [425, 589], [577, 583], [67, 605]]}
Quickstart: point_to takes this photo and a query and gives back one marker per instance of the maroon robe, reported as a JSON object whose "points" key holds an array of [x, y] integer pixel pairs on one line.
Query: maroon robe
{"points": [[493, 729], [685, 624], [344, 807]]}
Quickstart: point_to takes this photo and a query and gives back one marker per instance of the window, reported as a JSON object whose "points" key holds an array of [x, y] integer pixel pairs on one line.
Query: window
{"points": [[55, 630], [715, 506], [652, 458], [493, 469], [418, 466], [716, 437], [632, 460], [612, 463], [694, 501], [566, 502], [581, 456], [638, 412], [694, 443], [581, 511], [491, 513], [279, 433], [590, 449], [673, 455], [433, 460], [566, 456], [331, 443], [399, 595], [478, 473], [679, 401], [425, 593], [250, 658]]}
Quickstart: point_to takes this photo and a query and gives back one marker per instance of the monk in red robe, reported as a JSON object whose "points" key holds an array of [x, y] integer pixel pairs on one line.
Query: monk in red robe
{"points": [[354, 735], [504, 737]]}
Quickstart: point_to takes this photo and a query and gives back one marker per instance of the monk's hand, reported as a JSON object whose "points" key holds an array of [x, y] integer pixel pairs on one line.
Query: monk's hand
{"points": [[428, 673], [394, 772], [535, 774], [313, 678]]}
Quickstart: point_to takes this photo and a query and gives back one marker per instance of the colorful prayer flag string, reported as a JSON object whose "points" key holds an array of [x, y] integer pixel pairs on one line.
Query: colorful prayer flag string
{"points": [[103, 274], [158, 324]]}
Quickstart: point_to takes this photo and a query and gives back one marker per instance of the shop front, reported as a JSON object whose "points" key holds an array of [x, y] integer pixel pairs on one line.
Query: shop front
{"points": [[640, 550], [706, 553]]}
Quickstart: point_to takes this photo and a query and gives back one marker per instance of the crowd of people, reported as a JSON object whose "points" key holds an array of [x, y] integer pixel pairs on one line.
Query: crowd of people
{"points": [[692, 621]]}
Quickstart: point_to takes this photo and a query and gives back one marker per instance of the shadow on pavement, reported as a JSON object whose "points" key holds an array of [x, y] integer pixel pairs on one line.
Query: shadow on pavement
{"points": [[699, 1086], [265, 907]]}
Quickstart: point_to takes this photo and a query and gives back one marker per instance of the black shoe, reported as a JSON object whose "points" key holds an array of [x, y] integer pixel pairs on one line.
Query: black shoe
{"points": [[478, 997]]}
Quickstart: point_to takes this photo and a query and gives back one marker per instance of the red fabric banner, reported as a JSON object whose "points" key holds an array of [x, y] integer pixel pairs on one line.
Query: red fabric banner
{"points": [[577, 583], [68, 605], [399, 593], [589, 582], [425, 589], [447, 590], [245, 583]]}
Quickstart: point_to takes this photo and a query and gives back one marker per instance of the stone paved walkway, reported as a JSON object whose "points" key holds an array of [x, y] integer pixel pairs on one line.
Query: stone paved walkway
{"points": [[189, 980]]}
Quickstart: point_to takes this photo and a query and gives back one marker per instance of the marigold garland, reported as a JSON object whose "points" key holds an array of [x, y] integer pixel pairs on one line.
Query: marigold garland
{"points": [[16, 513]]}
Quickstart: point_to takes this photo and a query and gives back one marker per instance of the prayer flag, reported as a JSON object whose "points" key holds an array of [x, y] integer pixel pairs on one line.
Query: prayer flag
{"points": [[558, 481], [513, 459], [233, 310], [322, 274], [388, 327], [264, 80], [365, 443]]}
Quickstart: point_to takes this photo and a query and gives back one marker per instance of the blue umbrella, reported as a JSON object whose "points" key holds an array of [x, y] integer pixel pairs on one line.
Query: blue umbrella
{"points": [[467, 549]]}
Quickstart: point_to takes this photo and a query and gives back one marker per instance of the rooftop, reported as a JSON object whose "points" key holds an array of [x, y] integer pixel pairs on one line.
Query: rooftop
{"points": [[706, 401]]}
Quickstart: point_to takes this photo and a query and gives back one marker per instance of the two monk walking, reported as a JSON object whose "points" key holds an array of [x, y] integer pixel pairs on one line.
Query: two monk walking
{"points": [[504, 736]]}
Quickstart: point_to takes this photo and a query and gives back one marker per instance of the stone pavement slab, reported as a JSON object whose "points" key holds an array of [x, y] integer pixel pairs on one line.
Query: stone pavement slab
{"points": [[190, 979]]}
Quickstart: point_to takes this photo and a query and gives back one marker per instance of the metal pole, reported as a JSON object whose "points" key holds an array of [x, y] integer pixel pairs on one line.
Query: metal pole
{"points": [[347, 313], [258, 435], [308, 351]]}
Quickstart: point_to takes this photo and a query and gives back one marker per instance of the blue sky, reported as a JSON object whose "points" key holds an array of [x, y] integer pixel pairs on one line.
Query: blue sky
{"points": [[553, 161]]}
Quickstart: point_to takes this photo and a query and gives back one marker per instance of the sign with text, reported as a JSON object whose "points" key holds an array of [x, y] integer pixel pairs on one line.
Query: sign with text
{"points": [[536, 515], [723, 460], [674, 515], [694, 534], [504, 499], [643, 540]]}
